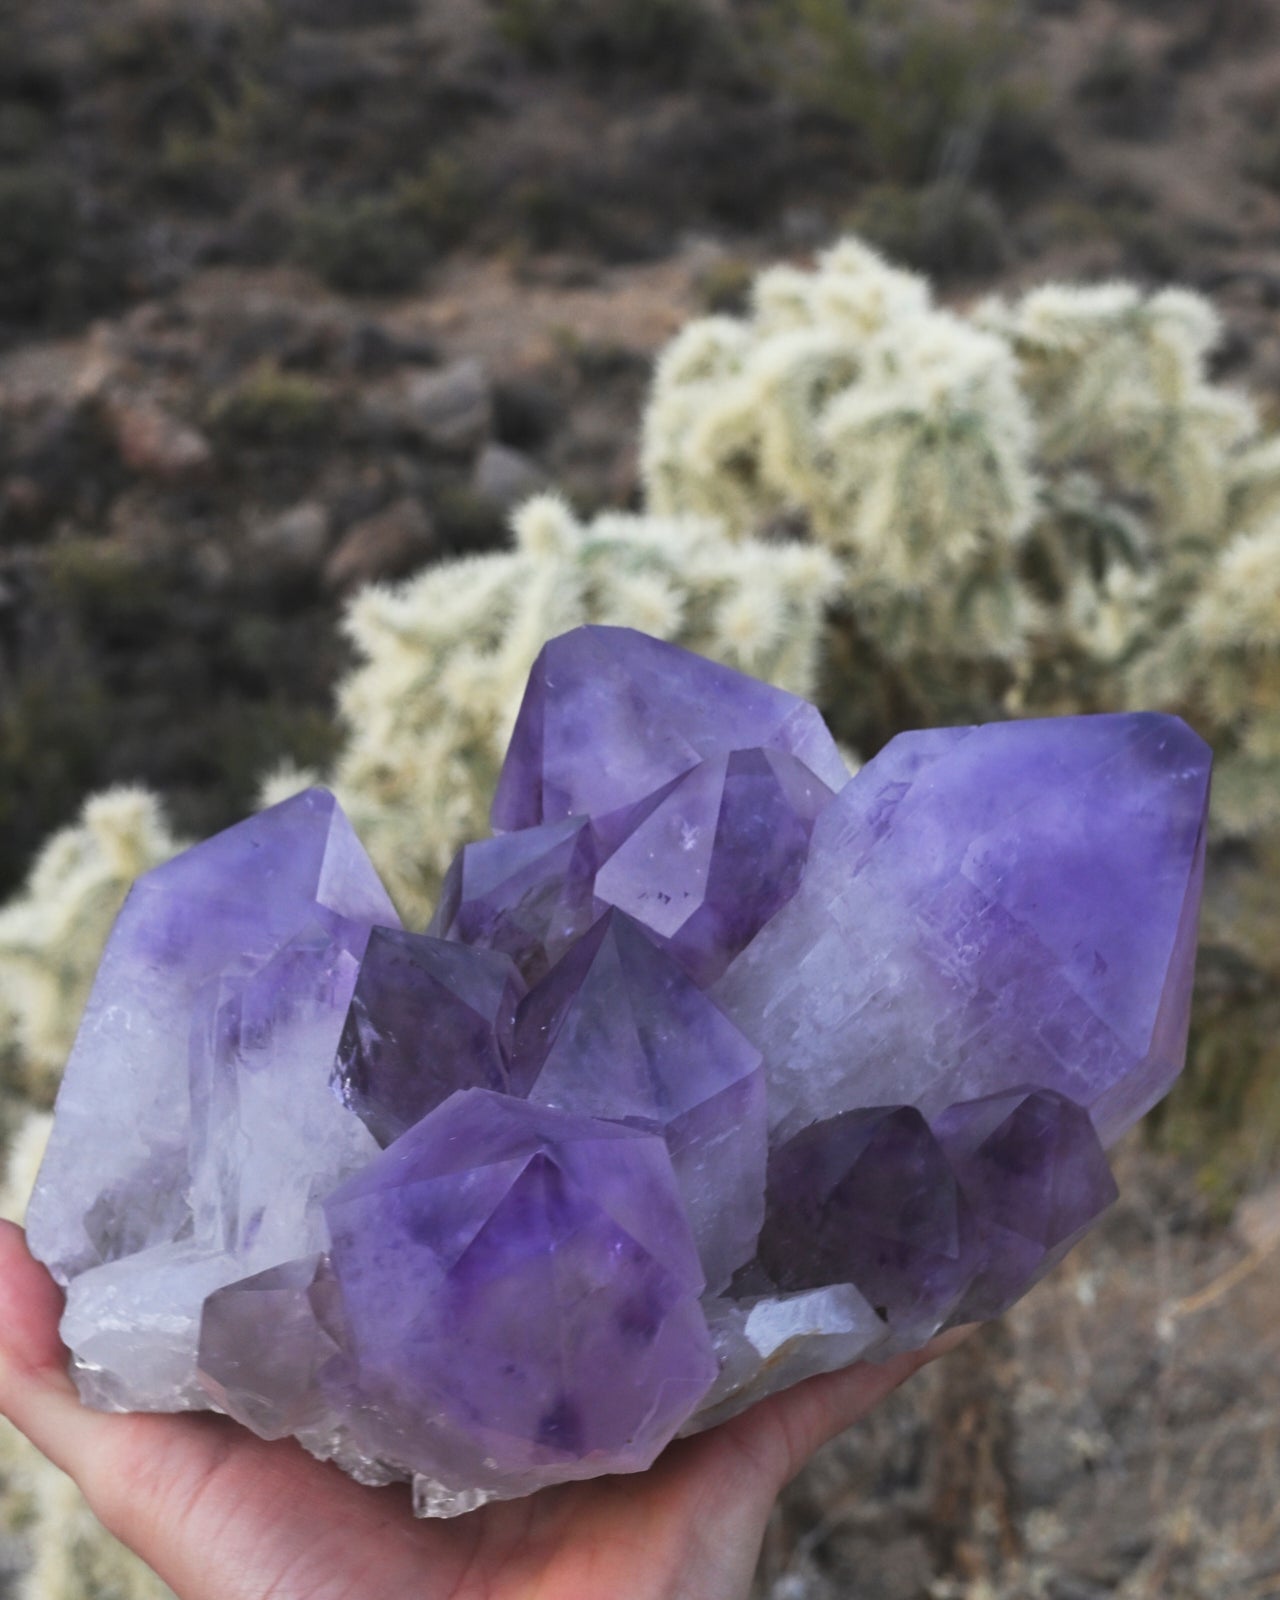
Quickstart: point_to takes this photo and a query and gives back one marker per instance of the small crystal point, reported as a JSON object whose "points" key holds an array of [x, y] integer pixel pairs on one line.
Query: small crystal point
{"points": [[1036, 1176], [868, 1198], [427, 1017], [721, 852], [611, 716], [766, 1343], [528, 894], [263, 1345], [520, 1287], [676, 1066]]}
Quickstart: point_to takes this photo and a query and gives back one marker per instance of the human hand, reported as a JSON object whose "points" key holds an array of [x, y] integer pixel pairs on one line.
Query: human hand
{"points": [[223, 1515]]}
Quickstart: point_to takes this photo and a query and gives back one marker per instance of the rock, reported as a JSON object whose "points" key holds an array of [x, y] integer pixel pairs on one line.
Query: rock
{"points": [[387, 545], [451, 410], [296, 539], [154, 442], [507, 476], [527, 412]]}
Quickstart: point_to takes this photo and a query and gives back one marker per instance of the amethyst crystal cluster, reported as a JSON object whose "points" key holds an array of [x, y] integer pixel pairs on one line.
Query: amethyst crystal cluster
{"points": [[715, 1069]]}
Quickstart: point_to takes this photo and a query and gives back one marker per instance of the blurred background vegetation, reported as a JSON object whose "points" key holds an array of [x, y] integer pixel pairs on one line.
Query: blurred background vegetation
{"points": [[298, 296]]}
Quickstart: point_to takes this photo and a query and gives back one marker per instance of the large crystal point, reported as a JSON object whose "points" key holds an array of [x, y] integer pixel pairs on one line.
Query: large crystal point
{"points": [[195, 1128], [869, 1198], [520, 1289], [983, 908], [675, 1066], [427, 1017], [528, 894], [1036, 1177], [717, 856], [611, 716]]}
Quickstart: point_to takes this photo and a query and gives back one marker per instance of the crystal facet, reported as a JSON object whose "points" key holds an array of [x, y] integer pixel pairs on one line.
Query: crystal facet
{"points": [[520, 1285], [529, 894], [1036, 1176], [715, 1070], [427, 1017], [718, 855], [611, 716], [675, 1066]]}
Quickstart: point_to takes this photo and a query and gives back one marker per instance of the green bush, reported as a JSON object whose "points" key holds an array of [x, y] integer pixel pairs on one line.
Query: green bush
{"points": [[944, 229]]}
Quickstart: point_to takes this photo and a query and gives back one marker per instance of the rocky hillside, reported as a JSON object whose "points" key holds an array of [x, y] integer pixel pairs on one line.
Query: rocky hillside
{"points": [[299, 293]]}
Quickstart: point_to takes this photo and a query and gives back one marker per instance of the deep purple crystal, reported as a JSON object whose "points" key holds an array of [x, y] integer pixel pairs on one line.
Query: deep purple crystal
{"points": [[520, 1288], [427, 1017], [527, 894], [617, 1029], [1036, 1177], [717, 856], [869, 1198]]}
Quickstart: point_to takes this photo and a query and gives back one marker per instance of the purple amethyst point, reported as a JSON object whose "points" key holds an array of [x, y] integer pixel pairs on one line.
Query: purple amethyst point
{"points": [[427, 1017]]}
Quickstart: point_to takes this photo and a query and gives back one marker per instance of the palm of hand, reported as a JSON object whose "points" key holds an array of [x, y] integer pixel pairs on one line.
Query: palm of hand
{"points": [[222, 1515]]}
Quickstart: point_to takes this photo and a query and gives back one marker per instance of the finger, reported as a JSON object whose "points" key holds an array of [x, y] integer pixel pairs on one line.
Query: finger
{"points": [[108, 1456], [36, 1394]]}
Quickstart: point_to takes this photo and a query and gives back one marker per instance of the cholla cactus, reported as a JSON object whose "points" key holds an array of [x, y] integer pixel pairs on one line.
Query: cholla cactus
{"points": [[52, 935], [22, 1162], [446, 655], [1118, 384], [1221, 661], [896, 429], [1037, 487]]}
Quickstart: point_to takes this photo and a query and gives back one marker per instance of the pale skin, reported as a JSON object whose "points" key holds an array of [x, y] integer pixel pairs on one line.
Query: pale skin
{"points": [[221, 1515]]}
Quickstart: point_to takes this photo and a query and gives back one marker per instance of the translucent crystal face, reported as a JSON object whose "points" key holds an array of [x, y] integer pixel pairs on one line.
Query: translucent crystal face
{"points": [[716, 1069], [427, 1017], [521, 1294]]}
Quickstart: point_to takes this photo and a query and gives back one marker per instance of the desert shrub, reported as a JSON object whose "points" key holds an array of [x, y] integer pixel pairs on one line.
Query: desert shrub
{"points": [[1129, 97], [658, 39], [945, 229], [918, 84], [367, 245], [38, 236], [272, 407]]}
